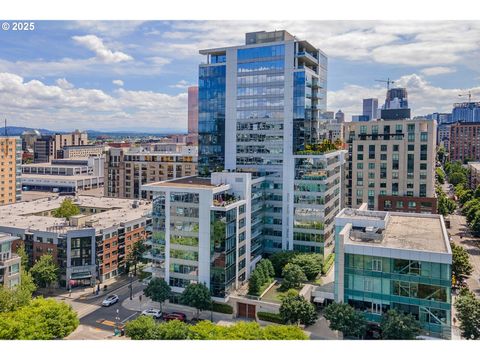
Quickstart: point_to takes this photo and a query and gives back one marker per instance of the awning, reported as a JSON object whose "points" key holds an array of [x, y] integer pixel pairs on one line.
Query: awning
{"points": [[319, 299], [81, 275]]}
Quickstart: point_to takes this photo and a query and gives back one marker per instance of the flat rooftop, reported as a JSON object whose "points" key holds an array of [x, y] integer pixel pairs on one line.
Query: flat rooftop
{"points": [[22, 214], [423, 232], [56, 177], [195, 182], [475, 165]]}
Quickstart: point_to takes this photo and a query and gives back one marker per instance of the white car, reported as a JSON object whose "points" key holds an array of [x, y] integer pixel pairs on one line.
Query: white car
{"points": [[155, 313], [110, 300]]}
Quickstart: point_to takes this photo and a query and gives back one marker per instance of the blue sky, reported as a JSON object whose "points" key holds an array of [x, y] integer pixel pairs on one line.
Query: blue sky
{"points": [[133, 75]]}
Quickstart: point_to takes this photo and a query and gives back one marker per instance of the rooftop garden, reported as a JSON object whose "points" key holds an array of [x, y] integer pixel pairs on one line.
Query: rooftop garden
{"points": [[320, 148]]}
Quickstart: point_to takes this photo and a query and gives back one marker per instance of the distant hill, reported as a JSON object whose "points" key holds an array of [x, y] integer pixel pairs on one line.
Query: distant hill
{"points": [[18, 130]]}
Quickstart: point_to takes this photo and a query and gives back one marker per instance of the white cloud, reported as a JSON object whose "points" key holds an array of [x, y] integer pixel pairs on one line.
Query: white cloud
{"points": [[36, 104], [423, 97], [182, 84], [437, 70], [64, 84], [102, 53], [117, 82]]}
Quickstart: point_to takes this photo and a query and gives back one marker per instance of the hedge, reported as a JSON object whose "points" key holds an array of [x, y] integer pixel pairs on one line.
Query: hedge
{"points": [[271, 317], [327, 264], [222, 308]]}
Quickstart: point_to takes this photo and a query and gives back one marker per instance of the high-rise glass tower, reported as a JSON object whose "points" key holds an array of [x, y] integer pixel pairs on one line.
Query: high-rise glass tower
{"points": [[259, 108]]}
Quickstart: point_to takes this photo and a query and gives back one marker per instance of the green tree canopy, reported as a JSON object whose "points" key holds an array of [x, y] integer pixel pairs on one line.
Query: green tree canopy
{"points": [[197, 296], [135, 256], [158, 290], [21, 295], [461, 266], [66, 210], [144, 328], [468, 312], [20, 251], [293, 277], [399, 326], [311, 264], [254, 283], [344, 318], [44, 271], [42, 319], [296, 310], [280, 259]]}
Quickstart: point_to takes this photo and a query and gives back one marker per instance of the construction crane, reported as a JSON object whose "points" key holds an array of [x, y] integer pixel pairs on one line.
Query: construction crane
{"points": [[388, 82], [469, 94]]}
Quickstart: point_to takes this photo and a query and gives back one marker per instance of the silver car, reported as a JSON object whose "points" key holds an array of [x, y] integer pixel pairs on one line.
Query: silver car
{"points": [[110, 300], [155, 313]]}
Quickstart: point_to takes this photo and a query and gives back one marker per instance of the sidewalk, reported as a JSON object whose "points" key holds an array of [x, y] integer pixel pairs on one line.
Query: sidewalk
{"points": [[87, 293], [136, 305]]}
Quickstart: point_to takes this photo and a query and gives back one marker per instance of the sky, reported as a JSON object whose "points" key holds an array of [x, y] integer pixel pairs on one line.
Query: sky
{"points": [[133, 75]]}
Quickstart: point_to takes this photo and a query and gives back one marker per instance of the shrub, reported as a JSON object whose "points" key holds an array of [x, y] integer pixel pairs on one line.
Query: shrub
{"points": [[222, 308], [271, 317], [311, 264], [328, 263]]}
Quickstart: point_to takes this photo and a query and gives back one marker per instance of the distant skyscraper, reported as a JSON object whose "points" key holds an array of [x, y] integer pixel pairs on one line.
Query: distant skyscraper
{"points": [[396, 105], [361, 118], [370, 108], [466, 112], [193, 109], [340, 116]]}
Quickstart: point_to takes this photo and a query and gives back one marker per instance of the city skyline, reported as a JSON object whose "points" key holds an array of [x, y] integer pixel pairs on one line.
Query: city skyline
{"points": [[110, 75]]}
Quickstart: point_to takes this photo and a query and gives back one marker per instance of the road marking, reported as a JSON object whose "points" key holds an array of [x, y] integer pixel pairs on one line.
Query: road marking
{"points": [[106, 322], [135, 313]]}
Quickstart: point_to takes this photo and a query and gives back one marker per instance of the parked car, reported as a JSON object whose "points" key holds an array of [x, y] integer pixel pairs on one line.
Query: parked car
{"points": [[110, 300], [175, 316], [155, 313]]}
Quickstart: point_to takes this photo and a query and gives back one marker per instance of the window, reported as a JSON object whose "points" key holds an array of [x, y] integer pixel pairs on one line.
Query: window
{"points": [[377, 263], [383, 147], [371, 166], [376, 308], [368, 285], [359, 165], [359, 147], [395, 148]]}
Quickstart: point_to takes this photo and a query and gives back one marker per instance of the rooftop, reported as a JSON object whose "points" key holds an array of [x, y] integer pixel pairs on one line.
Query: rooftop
{"points": [[475, 165], [424, 232], [191, 182], [56, 177], [22, 214]]}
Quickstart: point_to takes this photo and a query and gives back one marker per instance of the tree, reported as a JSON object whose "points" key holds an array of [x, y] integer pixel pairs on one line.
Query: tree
{"points": [[280, 259], [45, 271], [468, 312], [21, 295], [311, 264], [158, 290], [293, 277], [66, 210], [20, 251], [441, 154], [267, 268], [42, 319], [399, 326], [344, 318], [142, 328], [296, 310], [135, 255], [254, 283], [457, 178], [440, 175], [476, 193], [197, 296], [461, 266], [172, 330]]}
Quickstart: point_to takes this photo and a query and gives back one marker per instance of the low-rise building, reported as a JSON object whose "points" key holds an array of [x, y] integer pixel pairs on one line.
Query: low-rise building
{"points": [[64, 175], [386, 260], [91, 245], [474, 177], [9, 262]]}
